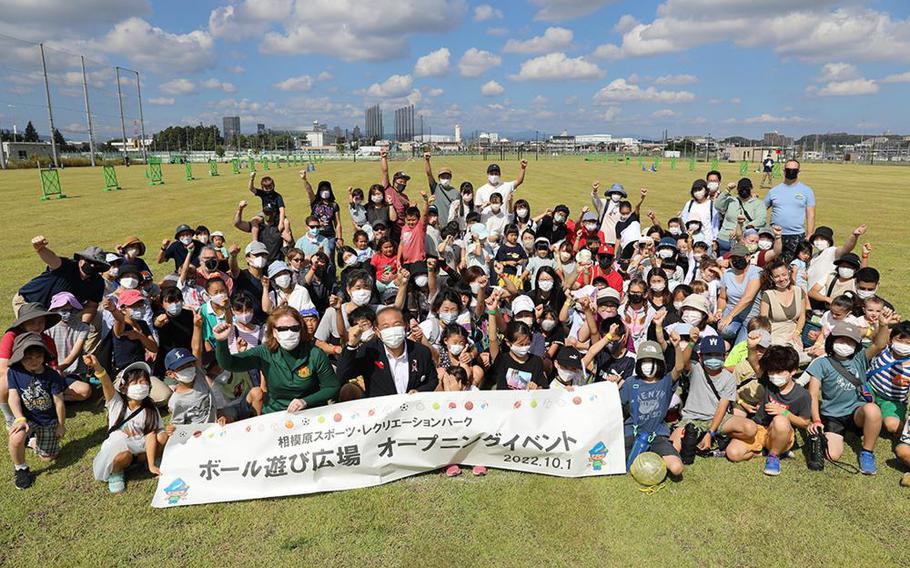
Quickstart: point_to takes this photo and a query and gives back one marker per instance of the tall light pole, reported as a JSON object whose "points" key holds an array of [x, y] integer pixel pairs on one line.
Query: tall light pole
{"points": [[122, 123], [50, 113], [88, 113]]}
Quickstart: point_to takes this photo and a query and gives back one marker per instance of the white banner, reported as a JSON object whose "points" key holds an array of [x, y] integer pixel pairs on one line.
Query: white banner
{"points": [[378, 440]]}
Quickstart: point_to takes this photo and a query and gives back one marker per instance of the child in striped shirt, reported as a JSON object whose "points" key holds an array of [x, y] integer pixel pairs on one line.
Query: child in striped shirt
{"points": [[888, 377]]}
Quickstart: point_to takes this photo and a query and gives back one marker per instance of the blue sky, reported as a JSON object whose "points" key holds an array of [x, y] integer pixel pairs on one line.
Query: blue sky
{"points": [[587, 66]]}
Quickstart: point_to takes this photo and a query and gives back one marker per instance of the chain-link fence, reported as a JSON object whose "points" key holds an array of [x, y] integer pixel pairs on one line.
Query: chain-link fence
{"points": [[56, 90]]}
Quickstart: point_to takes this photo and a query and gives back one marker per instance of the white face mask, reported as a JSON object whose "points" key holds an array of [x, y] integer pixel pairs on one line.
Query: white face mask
{"points": [[845, 272], [138, 391], [456, 349], [445, 182], [288, 339], [779, 379], [475, 287], [493, 179], [467, 197], [420, 281], [624, 218], [173, 309], [565, 256], [447, 317], [699, 195], [865, 294], [393, 337], [665, 253], [658, 286], [677, 305], [615, 197], [591, 227], [219, 299], [132, 252], [186, 240], [842, 349], [377, 198], [521, 212], [527, 321], [361, 297], [545, 285], [137, 313], [820, 244], [648, 368], [521, 350], [204, 239], [765, 245], [674, 231], [129, 282], [548, 324], [244, 318], [283, 281], [713, 186], [324, 194], [114, 272], [698, 256], [186, 376], [900, 349], [495, 207], [257, 261], [568, 377], [559, 218], [367, 334], [691, 317]]}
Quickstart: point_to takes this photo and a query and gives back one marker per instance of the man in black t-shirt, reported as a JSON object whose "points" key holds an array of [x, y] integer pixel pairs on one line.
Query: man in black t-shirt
{"points": [[767, 166]]}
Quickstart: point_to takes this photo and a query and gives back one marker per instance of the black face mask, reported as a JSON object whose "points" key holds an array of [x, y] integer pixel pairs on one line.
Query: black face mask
{"points": [[636, 298], [791, 173], [211, 264], [399, 187], [739, 263], [605, 262], [744, 193], [89, 269]]}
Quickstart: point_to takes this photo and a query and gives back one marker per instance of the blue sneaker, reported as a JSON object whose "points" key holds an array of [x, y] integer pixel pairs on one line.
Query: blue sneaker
{"points": [[772, 465], [867, 462], [116, 483]]}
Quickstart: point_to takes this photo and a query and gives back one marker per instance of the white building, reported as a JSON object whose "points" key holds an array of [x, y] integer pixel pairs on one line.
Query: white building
{"points": [[587, 139], [458, 133], [26, 150], [132, 145]]}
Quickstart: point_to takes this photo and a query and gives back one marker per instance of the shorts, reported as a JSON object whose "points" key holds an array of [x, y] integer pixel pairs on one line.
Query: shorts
{"points": [[840, 425], [660, 445], [891, 408], [47, 445], [704, 425], [238, 411], [762, 440]]}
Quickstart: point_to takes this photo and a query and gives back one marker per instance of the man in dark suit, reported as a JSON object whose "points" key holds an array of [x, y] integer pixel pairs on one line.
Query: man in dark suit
{"points": [[388, 364]]}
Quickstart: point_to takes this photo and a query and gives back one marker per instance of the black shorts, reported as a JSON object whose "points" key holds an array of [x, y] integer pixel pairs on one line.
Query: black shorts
{"points": [[660, 445], [841, 425]]}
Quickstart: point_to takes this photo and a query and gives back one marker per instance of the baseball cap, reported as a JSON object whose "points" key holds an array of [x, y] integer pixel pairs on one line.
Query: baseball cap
{"points": [[740, 250], [445, 171], [607, 296], [568, 358], [256, 247], [607, 250], [589, 216], [667, 242], [649, 350], [112, 257], [848, 330], [61, 299], [401, 175], [278, 267], [217, 234], [522, 303], [493, 169], [130, 297], [177, 358], [711, 345]]}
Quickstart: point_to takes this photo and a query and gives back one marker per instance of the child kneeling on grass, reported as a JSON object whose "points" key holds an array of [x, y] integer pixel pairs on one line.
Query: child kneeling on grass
{"points": [[784, 407], [453, 379], [36, 402], [135, 429]]}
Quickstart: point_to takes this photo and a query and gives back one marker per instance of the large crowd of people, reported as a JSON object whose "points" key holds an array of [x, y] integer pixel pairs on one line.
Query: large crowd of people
{"points": [[737, 327]]}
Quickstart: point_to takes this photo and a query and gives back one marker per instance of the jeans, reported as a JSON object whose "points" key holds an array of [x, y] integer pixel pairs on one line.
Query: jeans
{"points": [[723, 246], [737, 331], [789, 243]]}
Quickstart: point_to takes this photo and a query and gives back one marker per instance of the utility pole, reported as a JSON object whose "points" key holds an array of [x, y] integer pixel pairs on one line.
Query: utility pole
{"points": [[88, 113], [122, 123], [50, 113], [145, 155]]}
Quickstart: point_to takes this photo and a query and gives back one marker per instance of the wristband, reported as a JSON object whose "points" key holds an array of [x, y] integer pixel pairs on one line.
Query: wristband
{"points": [[610, 337], [491, 312], [713, 434], [818, 422], [785, 412], [20, 419]]}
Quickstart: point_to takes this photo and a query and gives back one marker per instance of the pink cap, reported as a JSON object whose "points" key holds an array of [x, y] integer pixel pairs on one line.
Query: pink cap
{"points": [[130, 297], [61, 299]]}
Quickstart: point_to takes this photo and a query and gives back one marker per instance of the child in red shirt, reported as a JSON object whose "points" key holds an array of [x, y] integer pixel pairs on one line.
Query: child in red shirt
{"points": [[385, 263], [413, 234]]}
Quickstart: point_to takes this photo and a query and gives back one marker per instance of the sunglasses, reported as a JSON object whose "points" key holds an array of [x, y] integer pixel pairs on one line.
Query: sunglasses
{"points": [[295, 260], [295, 328]]}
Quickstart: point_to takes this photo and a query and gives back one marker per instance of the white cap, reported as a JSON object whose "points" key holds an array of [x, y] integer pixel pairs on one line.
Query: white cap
{"points": [[217, 234], [522, 304]]}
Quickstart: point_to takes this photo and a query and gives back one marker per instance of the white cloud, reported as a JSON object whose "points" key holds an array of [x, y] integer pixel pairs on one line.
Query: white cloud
{"points": [[435, 92], [676, 80], [665, 113], [553, 39], [152, 48], [539, 100], [556, 66], [300, 83], [476, 62], [766, 118], [897, 78], [498, 32], [433, 64], [809, 29], [838, 72], [394, 86], [610, 114], [849, 88], [351, 32], [236, 69], [59, 19], [220, 85], [620, 90], [486, 12], [163, 101], [178, 87], [561, 10], [491, 89], [325, 76]]}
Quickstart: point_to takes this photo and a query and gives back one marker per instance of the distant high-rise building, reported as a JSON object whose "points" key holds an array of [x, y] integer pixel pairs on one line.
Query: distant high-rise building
{"points": [[231, 129], [355, 134], [776, 139], [373, 123], [404, 124], [260, 128], [458, 133]]}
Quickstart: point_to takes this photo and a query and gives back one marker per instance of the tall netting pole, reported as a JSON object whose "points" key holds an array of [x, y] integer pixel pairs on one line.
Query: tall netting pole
{"points": [[88, 113], [122, 123], [145, 156], [50, 113]]}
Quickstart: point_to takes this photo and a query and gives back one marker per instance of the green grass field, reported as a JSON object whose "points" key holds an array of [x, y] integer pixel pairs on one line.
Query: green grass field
{"points": [[721, 514]]}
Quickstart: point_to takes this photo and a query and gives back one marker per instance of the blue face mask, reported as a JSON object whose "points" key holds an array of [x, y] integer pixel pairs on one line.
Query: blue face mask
{"points": [[713, 364], [313, 232]]}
